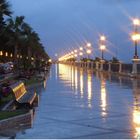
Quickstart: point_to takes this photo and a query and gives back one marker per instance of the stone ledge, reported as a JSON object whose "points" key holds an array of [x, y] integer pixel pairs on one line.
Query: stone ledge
{"points": [[17, 121]]}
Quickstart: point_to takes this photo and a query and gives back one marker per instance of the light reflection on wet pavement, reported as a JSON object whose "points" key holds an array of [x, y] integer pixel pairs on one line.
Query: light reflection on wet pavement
{"points": [[78, 103]]}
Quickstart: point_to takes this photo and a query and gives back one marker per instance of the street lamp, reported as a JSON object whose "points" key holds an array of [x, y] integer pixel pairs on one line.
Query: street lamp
{"points": [[88, 52], [72, 52], [81, 48], [102, 48], [1, 53], [103, 38], [17, 55], [102, 45], [81, 54], [50, 60], [72, 56], [136, 36], [89, 45], [75, 55], [11, 55], [136, 22], [75, 51], [6, 54]]}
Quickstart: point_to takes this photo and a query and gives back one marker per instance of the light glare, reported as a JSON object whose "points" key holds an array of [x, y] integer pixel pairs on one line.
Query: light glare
{"points": [[102, 47], [136, 21]]}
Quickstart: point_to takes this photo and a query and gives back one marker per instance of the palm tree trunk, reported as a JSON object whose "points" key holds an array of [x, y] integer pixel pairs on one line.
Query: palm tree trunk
{"points": [[15, 56], [29, 53], [15, 51]]}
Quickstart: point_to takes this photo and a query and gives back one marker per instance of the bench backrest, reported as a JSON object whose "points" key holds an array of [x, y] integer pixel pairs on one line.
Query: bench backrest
{"points": [[18, 90]]}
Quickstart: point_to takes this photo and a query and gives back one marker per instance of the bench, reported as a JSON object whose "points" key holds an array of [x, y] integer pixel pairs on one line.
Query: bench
{"points": [[21, 96]]}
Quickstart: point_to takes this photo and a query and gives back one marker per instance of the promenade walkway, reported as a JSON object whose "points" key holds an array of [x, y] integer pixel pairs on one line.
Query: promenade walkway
{"points": [[78, 103]]}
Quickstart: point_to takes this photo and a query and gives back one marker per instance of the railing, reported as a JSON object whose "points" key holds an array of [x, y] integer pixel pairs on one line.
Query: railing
{"points": [[105, 67], [115, 67], [138, 68], [127, 68], [109, 66]]}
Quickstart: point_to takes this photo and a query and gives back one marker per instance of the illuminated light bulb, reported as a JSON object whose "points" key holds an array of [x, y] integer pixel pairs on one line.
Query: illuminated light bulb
{"points": [[6, 54], [136, 21], [50, 60], [102, 47], [1, 53], [11, 55], [88, 51], [102, 38], [88, 44], [135, 37]]}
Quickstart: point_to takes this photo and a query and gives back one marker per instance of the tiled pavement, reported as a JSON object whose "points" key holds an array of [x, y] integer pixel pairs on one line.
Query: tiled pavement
{"points": [[92, 109]]}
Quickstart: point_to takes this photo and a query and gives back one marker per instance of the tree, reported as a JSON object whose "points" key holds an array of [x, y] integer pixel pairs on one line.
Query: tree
{"points": [[15, 27], [114, 60], [4, 11], [18, 37], [31, 39]]}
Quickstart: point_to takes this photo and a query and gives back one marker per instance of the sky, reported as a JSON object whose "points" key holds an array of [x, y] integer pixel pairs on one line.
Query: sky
{"points": [[65, 25]]}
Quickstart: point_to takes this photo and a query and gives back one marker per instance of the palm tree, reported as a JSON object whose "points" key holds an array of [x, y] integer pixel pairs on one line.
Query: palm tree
{"points": [[27, 30], [15, 27], [32, 43], [4, 11], [16, 36]]}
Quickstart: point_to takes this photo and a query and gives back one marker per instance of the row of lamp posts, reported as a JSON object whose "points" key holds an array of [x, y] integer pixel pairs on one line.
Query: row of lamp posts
{"points": [[102, 45]]}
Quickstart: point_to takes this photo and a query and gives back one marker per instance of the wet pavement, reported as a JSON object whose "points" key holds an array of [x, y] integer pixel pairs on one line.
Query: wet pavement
{"points": [[77, 103]]}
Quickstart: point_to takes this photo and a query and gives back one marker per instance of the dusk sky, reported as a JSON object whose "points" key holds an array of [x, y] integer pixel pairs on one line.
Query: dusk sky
{"points": [[64, 25]]}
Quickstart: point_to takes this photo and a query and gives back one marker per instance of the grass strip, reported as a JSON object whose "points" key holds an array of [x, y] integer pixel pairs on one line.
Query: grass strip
{"points": [[32, 81], [5, 100], [9, 114]]}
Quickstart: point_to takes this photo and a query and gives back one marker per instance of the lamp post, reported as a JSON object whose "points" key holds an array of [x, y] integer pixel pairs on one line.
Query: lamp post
{"points": [[88, 52], [89, 45], [11, 55], [75, 55], [81, 48], [75, 51], [81, 54], [1, 53], [6, 54], [102, 46], [136, 36]]}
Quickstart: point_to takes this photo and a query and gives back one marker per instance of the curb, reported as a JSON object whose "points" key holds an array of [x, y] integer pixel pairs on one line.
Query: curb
{"points": [[16, 124], [7, 105]]}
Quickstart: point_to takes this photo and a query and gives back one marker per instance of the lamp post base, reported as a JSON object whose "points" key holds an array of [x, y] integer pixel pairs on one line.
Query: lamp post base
{"points": [[102, 65], [136, 57], [135, 61]]}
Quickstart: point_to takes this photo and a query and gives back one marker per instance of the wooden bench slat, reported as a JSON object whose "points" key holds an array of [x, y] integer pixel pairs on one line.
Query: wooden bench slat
{"points": [[21, 95], [27, 98]]}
